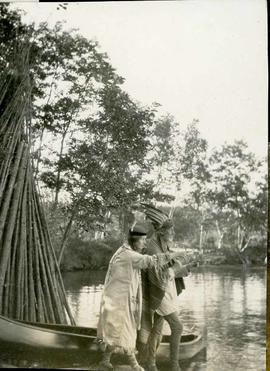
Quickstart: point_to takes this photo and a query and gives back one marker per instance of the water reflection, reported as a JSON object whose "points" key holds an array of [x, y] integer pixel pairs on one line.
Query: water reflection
{"points": [[84, 294], [231, 302]]}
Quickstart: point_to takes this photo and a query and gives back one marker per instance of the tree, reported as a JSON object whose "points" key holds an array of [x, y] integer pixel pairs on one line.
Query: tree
{"points": [[114, 147], [162, 155], [104, 163], [74, 71], [12, 30], [193, 170], [80, 112], [193, 163], [232, 169], [186, 224]]}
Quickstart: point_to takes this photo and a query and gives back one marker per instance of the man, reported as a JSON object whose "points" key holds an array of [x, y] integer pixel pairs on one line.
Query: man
{"points": [[121, 303], [160, 290]]}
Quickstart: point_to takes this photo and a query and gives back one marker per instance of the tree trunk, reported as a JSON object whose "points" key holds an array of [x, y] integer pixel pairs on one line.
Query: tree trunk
{"points": [[43, 129], [121, 219], [240, 238], [65, 237], [238, 248], [201, 239], [238, 235], [220, 236], [243, 248]]}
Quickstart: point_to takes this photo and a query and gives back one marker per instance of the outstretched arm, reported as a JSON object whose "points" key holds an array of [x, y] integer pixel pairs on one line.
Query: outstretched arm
{"points": [[159, 261]]}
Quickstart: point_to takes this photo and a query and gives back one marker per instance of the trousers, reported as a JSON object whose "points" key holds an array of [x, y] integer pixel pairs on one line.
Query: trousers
{"points": [[156, 336]]}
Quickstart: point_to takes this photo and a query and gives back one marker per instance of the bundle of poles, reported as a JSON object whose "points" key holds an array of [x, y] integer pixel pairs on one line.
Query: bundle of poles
{"points": [[31, 286]]}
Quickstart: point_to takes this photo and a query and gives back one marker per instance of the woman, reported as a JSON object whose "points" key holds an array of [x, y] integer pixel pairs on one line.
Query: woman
{"points": [[121, 303]]}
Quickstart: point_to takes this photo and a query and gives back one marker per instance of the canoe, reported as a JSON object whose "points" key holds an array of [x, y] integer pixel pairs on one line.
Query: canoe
{"points": [[64, 344]]}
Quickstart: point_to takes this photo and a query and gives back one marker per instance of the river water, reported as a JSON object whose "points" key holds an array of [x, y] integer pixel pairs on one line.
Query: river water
{"points": [[230, 301]]}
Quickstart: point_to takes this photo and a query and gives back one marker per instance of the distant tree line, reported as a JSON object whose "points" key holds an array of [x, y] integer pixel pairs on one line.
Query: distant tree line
{"points": [[97, 152]]}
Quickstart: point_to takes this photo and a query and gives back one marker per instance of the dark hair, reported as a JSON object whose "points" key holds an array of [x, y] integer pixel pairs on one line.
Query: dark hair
{"points": [[133, 239]]}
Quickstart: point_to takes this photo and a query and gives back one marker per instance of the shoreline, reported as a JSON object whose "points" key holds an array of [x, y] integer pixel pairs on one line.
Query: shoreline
{"points": [[207, 265]]}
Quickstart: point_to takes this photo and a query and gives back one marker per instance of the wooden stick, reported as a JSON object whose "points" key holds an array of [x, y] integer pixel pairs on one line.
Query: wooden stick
{"points": [[43, 276], [48, 267], [5, 208], [14, 292], [6, 291], [13, 115], [10, 225], [51, 253], [26, 289], [23, 247], [18, 274], [40, 307], [10, 148], [32, 297]]}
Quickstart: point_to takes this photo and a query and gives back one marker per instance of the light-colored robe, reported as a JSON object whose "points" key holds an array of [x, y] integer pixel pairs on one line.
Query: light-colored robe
{"points": [[121, 302]]}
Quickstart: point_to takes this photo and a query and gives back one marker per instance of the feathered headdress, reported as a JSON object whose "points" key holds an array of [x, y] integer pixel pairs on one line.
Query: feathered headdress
{"points": [[156, 216]]}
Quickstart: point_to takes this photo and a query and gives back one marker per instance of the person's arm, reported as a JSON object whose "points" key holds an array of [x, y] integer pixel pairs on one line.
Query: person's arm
{"points": [[182, 270], [160, 260], [140, 261], [175, 255]]}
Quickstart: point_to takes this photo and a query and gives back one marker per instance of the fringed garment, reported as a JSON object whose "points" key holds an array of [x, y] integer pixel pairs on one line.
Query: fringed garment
{"points": [[121, 303], [155, 282]]}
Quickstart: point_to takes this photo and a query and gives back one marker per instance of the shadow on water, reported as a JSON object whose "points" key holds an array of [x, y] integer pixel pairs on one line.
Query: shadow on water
{"points": [[75, 281]]}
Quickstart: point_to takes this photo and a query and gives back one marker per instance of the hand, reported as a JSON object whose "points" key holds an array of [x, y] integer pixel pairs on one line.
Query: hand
{"points": [[179, 254], [192, 264], [179, 269]]}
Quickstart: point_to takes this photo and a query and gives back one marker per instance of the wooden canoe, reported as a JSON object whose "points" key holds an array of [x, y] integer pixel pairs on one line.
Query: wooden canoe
{"points": [[64, 344]]}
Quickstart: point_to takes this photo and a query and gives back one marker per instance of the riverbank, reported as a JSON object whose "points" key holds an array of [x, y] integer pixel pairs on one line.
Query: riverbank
{"points": [[95, 255]]}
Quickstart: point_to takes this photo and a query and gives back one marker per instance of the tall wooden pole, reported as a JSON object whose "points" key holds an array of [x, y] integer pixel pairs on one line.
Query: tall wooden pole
{"points": [[31, 286]]}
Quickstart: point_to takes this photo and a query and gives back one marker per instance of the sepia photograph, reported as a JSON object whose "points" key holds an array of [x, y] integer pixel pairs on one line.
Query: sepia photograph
{"points": [[134, 185]]}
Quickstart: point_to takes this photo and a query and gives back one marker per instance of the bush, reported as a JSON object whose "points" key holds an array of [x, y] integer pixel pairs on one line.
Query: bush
{"points": [[114, 243], [99, 254], [75, 256], [93, 254]]}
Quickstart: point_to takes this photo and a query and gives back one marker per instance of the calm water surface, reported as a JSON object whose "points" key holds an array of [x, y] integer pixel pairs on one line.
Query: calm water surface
{"points": [[230, 301]]}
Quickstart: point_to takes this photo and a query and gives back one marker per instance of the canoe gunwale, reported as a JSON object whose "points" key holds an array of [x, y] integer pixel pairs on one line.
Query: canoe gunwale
{"points": [[45, 329], [73, 343]]}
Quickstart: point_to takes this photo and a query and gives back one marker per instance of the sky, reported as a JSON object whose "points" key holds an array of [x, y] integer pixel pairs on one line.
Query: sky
{"points": [[200, 59]]}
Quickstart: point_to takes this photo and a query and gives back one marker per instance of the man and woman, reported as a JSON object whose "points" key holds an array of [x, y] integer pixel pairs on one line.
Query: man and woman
{"points": [[134, 303]]}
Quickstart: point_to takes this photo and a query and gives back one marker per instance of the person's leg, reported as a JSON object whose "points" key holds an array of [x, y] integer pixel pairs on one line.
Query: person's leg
{"points": [[176, 332], [105, 363], [132, 361], [154, 341]]}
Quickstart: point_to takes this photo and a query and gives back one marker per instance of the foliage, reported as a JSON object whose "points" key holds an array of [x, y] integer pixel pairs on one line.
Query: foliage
{"points": [[106, 165], [12, 30], [163, 151], [232, 169], [193, 164], [81, 254], [90, 138], [186, 224], [98, 152]]}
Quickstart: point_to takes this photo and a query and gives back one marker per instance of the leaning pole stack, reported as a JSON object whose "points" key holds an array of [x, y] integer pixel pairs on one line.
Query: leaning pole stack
{"points": [[31, 287]]}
